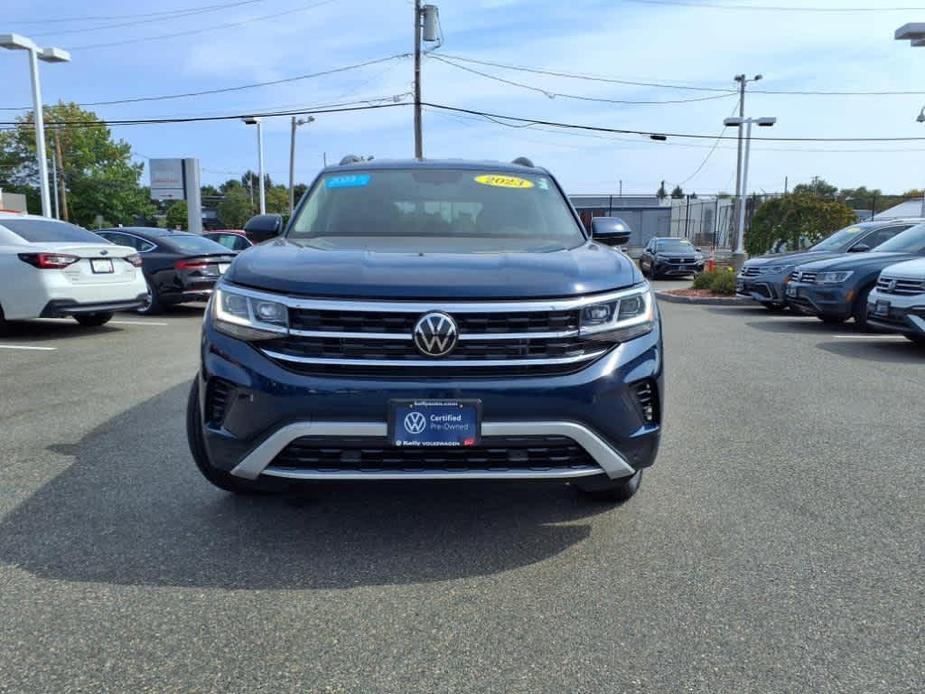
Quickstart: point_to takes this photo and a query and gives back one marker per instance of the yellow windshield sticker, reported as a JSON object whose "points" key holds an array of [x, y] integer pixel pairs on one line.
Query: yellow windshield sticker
{"points": [[503, 181]]}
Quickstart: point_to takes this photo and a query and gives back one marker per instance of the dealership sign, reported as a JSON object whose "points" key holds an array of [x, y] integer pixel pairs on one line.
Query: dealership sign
{"points": [[167, 179]]}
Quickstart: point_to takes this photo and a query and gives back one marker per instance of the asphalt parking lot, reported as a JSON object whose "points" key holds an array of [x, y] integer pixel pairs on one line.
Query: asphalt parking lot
{"points": [[777, 545]]}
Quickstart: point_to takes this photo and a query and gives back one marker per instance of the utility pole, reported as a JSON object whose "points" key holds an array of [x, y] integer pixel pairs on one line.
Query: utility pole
{"points": [[54, 185], [418, 134], [426, 21], [743, 81], [62, 179], [296, 122]]}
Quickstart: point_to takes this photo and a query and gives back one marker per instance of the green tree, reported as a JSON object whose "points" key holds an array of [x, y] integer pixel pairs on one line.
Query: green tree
{"points": [[661, 193], [278, 199], [677, 193], [177, 215], [817, 188], [797, 219], [236, 208], [98, 173]]}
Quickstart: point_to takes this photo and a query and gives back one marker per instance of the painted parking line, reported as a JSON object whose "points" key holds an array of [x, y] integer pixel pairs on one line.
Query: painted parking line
{"points": [[37, 349], [868, 337], [138, 322]]}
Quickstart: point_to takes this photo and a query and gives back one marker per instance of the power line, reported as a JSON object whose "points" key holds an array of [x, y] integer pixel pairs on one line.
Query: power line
{"points": [[222, 90], [214, 27], [334, 108], [772, 8], [710, 153], [668, 85], [179, 14], [94, 18], [553, 94], [649, 133]]}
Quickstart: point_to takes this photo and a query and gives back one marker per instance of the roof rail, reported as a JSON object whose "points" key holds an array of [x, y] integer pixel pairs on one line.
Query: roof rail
{"points": [[523, 161]]}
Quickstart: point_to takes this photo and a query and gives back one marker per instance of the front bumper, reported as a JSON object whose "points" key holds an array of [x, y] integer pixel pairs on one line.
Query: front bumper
{"points": [[765, 290], [677, 269], [816, 300], [267, 407], [905, 314]]}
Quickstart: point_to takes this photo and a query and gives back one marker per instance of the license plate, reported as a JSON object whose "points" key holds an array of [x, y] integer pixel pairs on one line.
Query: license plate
{"points": [[101, 266], [882, 308], [222, 267], [443, 423], [791, 290]]}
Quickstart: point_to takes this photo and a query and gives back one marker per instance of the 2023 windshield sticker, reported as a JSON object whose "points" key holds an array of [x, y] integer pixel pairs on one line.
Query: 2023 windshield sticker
{"points": [[348, 181], [499, 181]]}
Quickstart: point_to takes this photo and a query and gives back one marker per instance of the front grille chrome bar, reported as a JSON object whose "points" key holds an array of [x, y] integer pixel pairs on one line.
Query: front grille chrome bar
{"points": [[463, 336], [463, 363]]}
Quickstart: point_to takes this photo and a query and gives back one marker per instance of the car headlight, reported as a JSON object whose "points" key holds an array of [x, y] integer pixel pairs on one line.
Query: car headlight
{"points": [[834, 277], [698, 257], [621, 319], [247, 317]]}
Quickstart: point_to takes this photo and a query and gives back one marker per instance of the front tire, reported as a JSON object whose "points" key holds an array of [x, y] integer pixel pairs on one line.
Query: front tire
{"points": [[602, 488], [93, 320], [220, 478], [859, 310], [917, 339], [832, 320], [775, 308]]}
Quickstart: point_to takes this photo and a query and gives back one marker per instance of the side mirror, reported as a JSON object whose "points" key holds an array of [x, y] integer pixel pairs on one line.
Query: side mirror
{"points": [[859, 248], [263, 227], [610, 231], [698, 250]]}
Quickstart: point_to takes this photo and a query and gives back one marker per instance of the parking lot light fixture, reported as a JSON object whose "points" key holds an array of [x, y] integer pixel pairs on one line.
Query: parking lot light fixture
{"points": [[738, 255], [254, 120], [16, 42]]}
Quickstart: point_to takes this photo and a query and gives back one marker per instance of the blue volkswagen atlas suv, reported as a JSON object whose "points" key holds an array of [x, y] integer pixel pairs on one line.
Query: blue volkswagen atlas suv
{"points": [[431, 320]]}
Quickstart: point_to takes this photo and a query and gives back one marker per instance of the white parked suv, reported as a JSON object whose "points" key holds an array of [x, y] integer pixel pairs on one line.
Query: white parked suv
{"points": [[897, 303], [52, 269]]}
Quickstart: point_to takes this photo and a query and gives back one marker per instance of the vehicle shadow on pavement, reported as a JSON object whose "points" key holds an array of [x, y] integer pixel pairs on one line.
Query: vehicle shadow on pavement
{"points": [[45, 330], [132, 509], [799, 324], [889, 351]]}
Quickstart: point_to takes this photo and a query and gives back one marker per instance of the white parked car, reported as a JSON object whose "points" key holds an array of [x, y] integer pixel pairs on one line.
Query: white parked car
{"points": [[52, 269], [897, 303]]}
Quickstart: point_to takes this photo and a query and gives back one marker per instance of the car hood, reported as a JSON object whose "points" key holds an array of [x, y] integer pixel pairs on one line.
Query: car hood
{"points": [[872, 260], [795, 258], [907, 270], [391, 271]]}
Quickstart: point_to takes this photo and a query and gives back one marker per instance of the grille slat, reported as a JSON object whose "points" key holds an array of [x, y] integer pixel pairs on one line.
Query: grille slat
{"points": [[493, 453], [902, 287]]}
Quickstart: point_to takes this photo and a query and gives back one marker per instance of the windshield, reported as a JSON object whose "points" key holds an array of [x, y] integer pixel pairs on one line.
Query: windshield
{"points": [[192, 244], [910, 241], [675, 246], [840, 239], [49, 231], [449, 209]]}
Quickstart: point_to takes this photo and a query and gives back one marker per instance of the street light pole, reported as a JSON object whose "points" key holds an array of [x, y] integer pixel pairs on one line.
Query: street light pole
{"points": [[263, 192], [743, 81], [48, 55], [738, 256], [296, 122], [418, 134]]}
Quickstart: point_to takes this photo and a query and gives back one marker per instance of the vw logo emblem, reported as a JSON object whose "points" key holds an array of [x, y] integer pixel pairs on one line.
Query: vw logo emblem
{"points": [[414, 423], [435, 334], [104, 252], [891, 286]]}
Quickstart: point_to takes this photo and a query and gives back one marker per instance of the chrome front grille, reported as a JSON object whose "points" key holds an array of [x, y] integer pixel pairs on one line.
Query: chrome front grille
{"points": [[750, 271], [490, 338], [804, 277], [903, 287]]}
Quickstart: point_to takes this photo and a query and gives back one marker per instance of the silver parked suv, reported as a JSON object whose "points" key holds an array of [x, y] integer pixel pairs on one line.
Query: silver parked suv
{"points": [[897, 303]]}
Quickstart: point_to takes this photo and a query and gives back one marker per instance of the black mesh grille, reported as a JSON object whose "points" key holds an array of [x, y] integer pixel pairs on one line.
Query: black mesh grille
{"points": [[375, 454], [435, 372]]}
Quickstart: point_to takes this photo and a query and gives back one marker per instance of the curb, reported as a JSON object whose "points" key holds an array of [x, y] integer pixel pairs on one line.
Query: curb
{"points": [[703, 300]]}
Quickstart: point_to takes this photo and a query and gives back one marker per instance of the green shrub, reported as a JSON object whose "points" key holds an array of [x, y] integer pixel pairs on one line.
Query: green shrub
{"points": [[705, 279], [724, 282], [717, 281]]}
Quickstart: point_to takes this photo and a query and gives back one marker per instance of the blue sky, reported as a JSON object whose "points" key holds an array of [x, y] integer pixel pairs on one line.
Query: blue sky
{"points": [[624, 39]]}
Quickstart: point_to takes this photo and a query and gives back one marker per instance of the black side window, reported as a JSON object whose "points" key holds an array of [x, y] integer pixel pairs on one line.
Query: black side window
{"points": [[241, 244], [882, 235]]}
